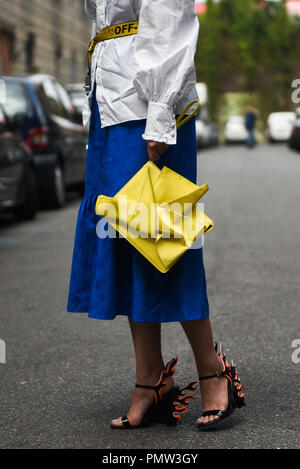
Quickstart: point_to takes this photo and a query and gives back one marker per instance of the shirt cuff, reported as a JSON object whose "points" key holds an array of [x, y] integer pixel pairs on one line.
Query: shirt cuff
{"points": [[161, 123]]}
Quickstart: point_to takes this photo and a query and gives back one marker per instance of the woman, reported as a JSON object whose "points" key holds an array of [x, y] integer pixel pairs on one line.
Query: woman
{"points": [[139, 83]]}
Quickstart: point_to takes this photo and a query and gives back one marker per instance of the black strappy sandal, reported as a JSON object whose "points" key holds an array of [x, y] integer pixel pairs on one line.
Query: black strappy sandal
{"points": [[236, 398], [167, 408]]}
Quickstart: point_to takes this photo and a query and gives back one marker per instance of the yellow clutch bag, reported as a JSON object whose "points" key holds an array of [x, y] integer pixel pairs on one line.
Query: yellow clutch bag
{"points": [[157, 211]]}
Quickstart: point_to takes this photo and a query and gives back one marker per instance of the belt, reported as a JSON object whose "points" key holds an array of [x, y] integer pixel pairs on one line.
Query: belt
{"points": [[110, 32], [121, 30]]}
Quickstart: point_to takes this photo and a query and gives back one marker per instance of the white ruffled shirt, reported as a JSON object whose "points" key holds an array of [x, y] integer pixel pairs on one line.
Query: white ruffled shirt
{"points": [[150, 75]]}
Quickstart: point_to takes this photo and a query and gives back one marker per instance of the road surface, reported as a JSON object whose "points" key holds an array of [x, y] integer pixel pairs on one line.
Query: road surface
{"points": [[66, 375]]}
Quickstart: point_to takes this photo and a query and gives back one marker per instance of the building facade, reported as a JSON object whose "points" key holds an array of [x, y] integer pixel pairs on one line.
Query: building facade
{"points": [[44, 36], [293, 6]]}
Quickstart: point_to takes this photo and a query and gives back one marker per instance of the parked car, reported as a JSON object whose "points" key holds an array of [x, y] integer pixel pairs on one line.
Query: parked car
{"points": [[43, 111], [235, 130], [18, 189], [294, 140], [280, 126], [77, 95], [213, 139], [202, 133], [207, 133]]}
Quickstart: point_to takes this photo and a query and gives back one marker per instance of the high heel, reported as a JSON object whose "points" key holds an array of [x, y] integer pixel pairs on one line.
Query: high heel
{"points": [[236, 398], [166, 408]]}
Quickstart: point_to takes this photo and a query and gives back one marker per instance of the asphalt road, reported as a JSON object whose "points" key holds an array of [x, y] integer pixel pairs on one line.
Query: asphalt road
{"points": [[66, 375]]}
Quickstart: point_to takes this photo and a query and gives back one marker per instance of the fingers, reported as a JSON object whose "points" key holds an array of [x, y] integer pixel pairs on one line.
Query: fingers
{"points": [[155, 150]]}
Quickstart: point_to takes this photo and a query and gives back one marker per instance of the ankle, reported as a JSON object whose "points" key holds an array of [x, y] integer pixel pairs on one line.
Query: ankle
{"points": [[210, 367], [148, 378]]}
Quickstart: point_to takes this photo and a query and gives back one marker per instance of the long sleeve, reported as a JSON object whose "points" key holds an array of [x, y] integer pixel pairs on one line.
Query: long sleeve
{"points": [[164, 62], [90, 8]]}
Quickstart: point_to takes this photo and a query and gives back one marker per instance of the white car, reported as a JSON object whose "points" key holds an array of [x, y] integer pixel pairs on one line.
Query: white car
{"points": [[202, 133], [77, 95], [280, 126], [235, 130]]}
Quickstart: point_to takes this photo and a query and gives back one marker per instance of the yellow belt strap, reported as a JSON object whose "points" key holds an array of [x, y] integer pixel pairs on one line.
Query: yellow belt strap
{"points": [[112, 32], [129, 29]]}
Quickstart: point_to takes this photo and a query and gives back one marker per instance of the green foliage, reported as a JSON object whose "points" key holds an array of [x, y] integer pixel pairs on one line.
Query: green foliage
{"points": [[248, 47]]}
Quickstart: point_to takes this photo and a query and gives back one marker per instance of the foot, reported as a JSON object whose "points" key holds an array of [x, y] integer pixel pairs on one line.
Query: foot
{"points": [[141, 400], [214, 393]]}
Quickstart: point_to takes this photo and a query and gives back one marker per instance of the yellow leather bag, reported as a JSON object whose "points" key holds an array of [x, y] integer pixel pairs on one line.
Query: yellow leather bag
{"points": [[157, 211]]}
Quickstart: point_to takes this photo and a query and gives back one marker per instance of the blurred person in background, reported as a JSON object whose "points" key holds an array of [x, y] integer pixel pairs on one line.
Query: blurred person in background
{"points": [[250, 124], [139, 83]]}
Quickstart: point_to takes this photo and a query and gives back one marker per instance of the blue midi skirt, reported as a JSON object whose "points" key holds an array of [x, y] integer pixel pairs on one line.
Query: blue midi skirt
{"points": [[109, 277]]}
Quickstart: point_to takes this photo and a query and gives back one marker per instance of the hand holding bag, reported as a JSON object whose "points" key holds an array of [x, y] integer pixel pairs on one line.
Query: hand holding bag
{"points": [[157, 211]]}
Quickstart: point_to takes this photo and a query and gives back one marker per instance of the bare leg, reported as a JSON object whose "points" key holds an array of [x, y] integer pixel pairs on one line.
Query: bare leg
{"points": [[149, 365], [213, 391]]}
